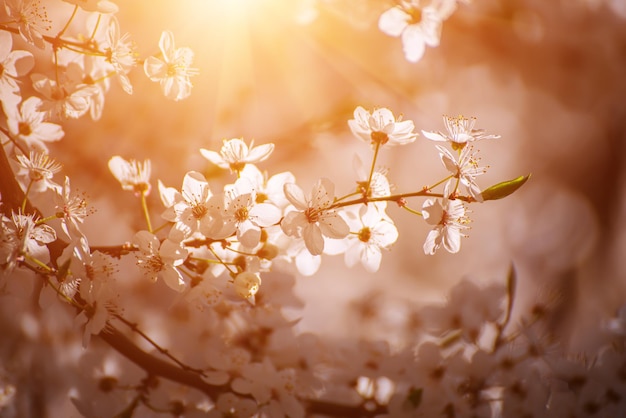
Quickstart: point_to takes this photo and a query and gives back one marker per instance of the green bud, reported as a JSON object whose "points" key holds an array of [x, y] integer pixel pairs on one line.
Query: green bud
{"points": [[500, 190]]}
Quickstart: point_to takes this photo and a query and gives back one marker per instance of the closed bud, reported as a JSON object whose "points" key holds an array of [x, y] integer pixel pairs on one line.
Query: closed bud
{"points": [[500, 190]]}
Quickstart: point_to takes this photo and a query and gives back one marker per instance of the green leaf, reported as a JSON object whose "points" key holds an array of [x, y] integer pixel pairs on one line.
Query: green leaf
{"points": [[500, 190]]}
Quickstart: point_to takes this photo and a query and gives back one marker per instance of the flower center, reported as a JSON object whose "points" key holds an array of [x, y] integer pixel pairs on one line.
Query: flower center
{"points": [[154, 263], [415, 14], [172, 69], [380, 138], [237, 166], [23, 128], [312, 215], [365, 234], [241, 214], [199, 210]]}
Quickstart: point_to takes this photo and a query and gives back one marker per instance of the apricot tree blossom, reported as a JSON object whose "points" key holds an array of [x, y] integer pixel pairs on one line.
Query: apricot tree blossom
{"points": [[235, 154], [311, 219], [173, 71], [208, 333]]}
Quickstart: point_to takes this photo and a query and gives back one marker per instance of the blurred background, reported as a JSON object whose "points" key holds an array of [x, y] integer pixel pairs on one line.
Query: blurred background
{"points": [[548, 76]]}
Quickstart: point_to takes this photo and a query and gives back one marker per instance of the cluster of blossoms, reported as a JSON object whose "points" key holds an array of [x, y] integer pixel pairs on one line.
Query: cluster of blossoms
{"points": [[224, 257], [84, 64]]}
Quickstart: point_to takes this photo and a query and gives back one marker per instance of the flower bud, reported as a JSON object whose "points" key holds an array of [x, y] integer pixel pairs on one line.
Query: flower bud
{"points": [[247, 284]]}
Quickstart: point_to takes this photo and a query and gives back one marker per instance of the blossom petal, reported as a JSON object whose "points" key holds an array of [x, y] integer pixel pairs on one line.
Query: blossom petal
{"points": [[166, 44], [154, 68], [265, 214], [214, 157], [333, 225], [434, 136], [433, 241], [172, 277], [260, 153], [313, 239], [413, 43], [394, 21], [295, 195]]}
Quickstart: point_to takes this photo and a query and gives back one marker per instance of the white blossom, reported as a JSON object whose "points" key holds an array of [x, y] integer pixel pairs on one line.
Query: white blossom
{"points": [[270, 190], [132, 174], [160, 260], [312, 219], [38, 168], [371, 233], [20, 236], [418, 26], [70, 98], [31, 19], [235, 154], [173, 71], [194, 208], [13, 64], [464, 169], [448, 217], [244, 215], [380, 127], [120, 53], [247, 284], [72, 209], [460, 131], [28, 124]]}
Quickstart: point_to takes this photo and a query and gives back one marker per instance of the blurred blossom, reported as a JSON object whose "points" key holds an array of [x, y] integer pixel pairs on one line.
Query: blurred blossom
{"points": [[173, 71], [235, 154], [132, 174], [120, 53], [417, 25], [31, 18]]}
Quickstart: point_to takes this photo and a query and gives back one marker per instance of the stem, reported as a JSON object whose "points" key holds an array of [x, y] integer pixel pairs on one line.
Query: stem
{"points": [[46, 268], [59, 42], [372, 168], [146, 213], [67, 25], [46, 219], [439, 182], [413, 211], [63, 295], [23, 208], [207, 260], [339, 199], [225, 264], [393, 198], [8, 135], [95, 28]]}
